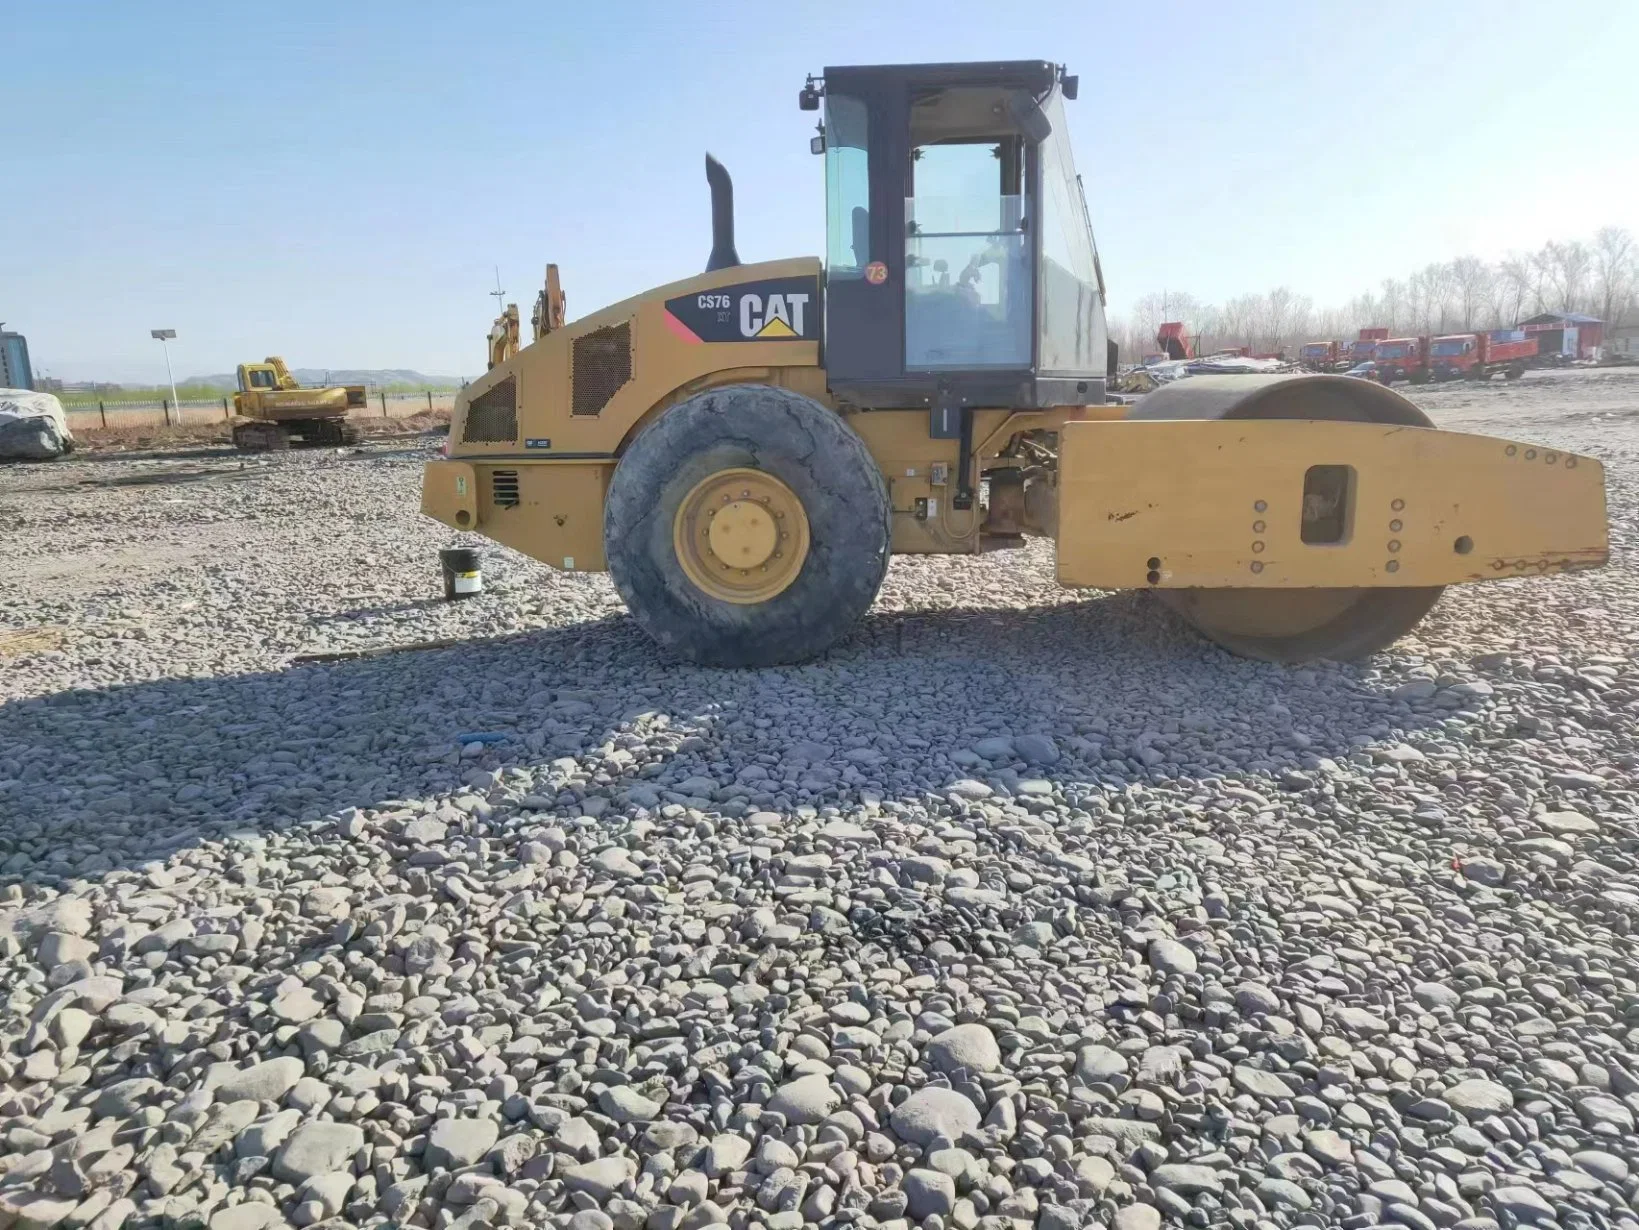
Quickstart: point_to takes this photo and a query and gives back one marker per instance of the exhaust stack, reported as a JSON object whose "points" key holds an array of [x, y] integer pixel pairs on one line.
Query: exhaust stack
{"points": [[723, 255]]}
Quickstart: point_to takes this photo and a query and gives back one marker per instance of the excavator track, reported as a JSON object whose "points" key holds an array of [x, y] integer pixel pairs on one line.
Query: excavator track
{"points": [[263, 436], [326, 433], [255, 436]]}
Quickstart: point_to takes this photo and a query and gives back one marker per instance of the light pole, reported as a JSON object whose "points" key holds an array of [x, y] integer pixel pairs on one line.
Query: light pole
{"points": [[163, 337]]}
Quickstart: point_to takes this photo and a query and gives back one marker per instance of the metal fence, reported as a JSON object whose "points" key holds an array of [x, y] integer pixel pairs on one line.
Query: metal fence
{"points": [[163, 412]]}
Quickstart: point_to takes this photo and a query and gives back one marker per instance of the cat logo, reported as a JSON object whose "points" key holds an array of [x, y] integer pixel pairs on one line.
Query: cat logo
{"points": [[779, 317], [767, 310]]}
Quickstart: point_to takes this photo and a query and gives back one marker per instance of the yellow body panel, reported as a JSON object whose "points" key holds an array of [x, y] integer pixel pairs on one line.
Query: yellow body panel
{"points": [[909, 457], [1188, 494], [665, 368], [550, 511], [449, 493], [291, 403], [285, 400]]}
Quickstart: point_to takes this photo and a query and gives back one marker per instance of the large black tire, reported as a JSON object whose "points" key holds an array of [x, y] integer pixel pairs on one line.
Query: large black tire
{"points": [[810, 450]]}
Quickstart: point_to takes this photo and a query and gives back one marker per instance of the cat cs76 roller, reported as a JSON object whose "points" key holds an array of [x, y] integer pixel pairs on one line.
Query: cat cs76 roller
{"points": [[744, 450]]}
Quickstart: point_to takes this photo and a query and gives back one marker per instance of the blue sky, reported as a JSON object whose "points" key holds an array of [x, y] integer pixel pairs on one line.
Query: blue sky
{"points": [[335, 182]]}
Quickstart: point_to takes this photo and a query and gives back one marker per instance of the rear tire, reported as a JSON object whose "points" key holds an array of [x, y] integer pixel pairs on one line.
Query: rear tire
{"points": [[653, 513]]}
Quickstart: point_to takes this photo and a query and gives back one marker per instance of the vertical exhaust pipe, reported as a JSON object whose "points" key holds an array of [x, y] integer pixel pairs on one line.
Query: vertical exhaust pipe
{"points": [[723, 255]]}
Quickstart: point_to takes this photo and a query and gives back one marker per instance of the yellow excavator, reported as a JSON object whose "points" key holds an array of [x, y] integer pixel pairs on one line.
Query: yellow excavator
{"points": [[273, 409]]}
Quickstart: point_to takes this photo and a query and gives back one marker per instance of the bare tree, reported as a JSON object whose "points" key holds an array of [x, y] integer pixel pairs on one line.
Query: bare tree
{"points": [[1439, 289], [1145, 317], [1151, 311], [1286, 316], [1363, 312], [1209, 329], [1471, 285], [1515, 280], [1544, 263], [1566, 266], [1120, 331], [1330, 325], [1241, 317], [1393, 304], [1615, 272]]}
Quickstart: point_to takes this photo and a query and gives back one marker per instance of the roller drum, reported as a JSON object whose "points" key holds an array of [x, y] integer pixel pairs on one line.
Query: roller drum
{"points": [[1293, 625]]}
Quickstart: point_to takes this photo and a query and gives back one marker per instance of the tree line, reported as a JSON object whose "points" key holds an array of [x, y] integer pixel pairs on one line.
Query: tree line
{"points": [[1598, 277]]}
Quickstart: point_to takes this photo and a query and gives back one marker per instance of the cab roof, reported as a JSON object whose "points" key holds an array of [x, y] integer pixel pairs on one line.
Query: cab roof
{"points": [[1038, 76]]}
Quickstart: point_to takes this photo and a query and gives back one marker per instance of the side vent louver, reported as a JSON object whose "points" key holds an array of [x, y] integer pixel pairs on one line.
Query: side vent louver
{"points": [[504, 485], [492, 416], [601, 363]]}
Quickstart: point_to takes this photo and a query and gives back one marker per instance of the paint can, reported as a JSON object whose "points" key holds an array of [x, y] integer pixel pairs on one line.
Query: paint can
{"points": [[463, 575]]}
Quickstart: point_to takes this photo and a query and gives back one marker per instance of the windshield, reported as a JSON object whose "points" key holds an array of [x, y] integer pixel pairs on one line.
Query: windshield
{"points": [[1393, 350], [1454, 346]]}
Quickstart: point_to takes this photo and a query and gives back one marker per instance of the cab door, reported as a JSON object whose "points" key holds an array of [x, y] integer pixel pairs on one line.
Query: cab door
{"points": [[864, 231]]}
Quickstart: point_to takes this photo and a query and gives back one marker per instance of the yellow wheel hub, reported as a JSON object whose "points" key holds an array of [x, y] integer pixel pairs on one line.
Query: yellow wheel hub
{"points": [[741, 536]]}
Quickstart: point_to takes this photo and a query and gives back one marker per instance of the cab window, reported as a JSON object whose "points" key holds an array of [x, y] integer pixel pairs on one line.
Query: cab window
{"points": [[847, 188], [968, 286]]}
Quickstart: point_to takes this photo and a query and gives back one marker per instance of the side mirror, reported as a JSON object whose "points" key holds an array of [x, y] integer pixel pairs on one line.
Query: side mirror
{"points": [[816, 145], [808, 98], [1069, 86]]}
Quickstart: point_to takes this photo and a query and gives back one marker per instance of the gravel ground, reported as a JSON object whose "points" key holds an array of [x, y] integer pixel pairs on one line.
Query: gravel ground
{"points": [[1022, 908]]}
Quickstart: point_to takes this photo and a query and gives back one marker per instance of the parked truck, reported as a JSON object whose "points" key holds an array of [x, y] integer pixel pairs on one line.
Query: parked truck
{"points": [[1323, 357], [1364, 347], [1479, 356], [1174, 341], [1402, 358]]}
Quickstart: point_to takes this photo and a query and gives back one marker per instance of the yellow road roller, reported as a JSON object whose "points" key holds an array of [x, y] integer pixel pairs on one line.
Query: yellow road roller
{"points": [[744, 450]]}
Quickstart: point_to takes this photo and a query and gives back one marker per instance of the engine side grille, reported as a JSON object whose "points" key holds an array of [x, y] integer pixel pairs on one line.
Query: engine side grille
{"points": [[601, 364], [504, 485], [492, 416]]}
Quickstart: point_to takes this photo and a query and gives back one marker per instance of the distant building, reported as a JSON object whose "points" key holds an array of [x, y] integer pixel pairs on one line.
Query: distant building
{"points": [[1570, 334], [15, 373], [1622, 341]]}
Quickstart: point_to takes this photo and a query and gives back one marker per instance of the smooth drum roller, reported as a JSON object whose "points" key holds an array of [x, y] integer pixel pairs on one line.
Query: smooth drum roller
{"points": [[1293, 625]]}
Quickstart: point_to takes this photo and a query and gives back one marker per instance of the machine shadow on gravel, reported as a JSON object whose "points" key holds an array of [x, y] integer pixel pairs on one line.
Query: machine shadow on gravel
{"points": [[94, 780]]}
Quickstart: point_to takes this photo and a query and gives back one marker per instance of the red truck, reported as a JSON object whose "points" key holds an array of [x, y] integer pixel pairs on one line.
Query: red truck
{"points": [[1323, 356], [1479, 356], [1402, 358], [1172, 339], [1365, 346]]}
